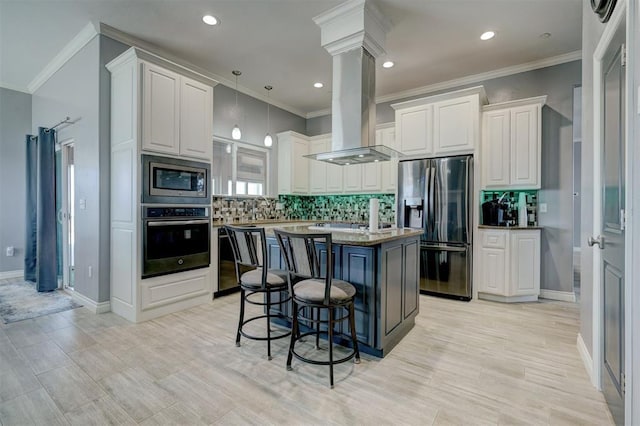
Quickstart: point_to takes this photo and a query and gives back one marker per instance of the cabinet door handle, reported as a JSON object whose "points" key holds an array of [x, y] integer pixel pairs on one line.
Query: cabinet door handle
{"points": [[599, 240]]}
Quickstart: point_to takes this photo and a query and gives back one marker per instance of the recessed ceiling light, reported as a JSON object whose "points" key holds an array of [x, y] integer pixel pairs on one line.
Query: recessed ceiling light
{"points": [[388, 64], [361, 156], [318, 85], [545, 35], [210, 20], [487, 35]]}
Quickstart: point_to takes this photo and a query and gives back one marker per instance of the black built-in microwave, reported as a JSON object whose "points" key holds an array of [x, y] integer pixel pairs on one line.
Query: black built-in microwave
{"points": [[167, 180]]}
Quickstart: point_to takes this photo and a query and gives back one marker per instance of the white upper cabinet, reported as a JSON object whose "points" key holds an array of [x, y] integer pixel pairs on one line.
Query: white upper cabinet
{"points": [[317, 169], [511, 144], [455, 124], [176, 113], [414, 130], [446, 124], [388, 169], [196, 119], [352, 178], [293, 167], [371, 177], [160, 110]]}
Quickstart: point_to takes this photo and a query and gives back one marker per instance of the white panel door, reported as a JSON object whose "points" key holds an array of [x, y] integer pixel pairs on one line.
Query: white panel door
{"points": [[496, 149], [414, 130], [300, 165], [525, 147], [388, 169], [334, 176], [454, 123], [493, 273], [196, 105], [317, 169], [352, 177], [371, 177], [525, 263], [160, 110]]}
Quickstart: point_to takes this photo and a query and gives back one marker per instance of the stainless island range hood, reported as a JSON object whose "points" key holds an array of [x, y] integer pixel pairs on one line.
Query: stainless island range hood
{"points": [[353, 118]]}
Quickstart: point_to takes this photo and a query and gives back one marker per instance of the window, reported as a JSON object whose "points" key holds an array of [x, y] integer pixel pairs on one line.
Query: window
{"points": [[238, 169]]}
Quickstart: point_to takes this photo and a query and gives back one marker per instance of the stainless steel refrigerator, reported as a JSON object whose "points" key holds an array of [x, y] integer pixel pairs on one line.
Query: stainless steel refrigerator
{"points": [[435, 195]]}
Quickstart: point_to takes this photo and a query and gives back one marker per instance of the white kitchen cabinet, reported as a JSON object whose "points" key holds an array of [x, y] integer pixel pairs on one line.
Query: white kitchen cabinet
{"points": [[317, 169], [446, 124], [155, 107], [371, 177], [160, 109], [196, 105], [176, 113], [509, 264], [512, 144], [352, 178], [414, 130], [293, 166], [388, 169], [334, 176], [455, 125]]}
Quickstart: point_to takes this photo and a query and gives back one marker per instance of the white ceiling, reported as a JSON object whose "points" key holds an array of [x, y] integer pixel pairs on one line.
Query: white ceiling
{"points": [[276, 42]]}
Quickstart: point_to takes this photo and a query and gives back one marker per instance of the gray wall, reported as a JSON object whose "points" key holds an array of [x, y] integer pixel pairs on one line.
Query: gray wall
{"points": [[80, 90], [557, 83], [591, 31], [251, 117], [15, 123]]}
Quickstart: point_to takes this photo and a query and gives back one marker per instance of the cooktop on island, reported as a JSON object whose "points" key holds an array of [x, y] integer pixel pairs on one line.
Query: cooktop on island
{"points": [[350, 227]]}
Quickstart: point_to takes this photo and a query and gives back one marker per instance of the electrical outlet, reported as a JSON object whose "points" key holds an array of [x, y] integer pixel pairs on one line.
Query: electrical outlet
{"points": [[10, 251], [543, 207]]}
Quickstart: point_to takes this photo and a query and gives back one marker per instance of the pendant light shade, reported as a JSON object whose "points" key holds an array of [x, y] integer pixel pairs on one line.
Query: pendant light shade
{"points": [[236, 134], [268, 140]]}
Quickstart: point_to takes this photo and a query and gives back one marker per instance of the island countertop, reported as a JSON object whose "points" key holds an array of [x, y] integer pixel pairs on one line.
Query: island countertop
{"points": [[361, 238]]}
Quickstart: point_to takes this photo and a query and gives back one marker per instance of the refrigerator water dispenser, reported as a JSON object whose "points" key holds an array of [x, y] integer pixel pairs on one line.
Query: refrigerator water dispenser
{"points": [[413, 208]]}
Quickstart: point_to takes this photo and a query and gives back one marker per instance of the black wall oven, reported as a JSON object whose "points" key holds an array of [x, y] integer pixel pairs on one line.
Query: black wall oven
{"points": [[168, 180], [175, 239]]}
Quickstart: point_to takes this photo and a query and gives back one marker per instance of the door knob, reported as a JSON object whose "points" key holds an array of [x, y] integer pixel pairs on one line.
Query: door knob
{"points": [[599, 240]]}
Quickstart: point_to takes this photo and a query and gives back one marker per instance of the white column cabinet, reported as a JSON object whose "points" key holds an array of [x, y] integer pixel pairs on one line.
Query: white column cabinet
{"points": [[176, 113], [509, 264], [155, 107], [512, 144]]}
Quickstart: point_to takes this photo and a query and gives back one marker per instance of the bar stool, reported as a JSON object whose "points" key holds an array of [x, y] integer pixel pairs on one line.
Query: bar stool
{"points": [[249, 251], [311, 286]]}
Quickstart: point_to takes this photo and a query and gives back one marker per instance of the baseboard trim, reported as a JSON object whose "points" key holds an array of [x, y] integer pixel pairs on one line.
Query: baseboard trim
{"points": [[564, 296], [586, 358], [19, 273], [93, 306]]}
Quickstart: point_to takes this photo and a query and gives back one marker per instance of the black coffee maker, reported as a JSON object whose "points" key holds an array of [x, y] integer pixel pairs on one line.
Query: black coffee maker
{"points": [[494, 212]]}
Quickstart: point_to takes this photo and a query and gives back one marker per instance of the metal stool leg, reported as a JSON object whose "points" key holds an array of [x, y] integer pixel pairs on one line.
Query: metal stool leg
{"points": [[294, 332], [240, 321], [317, 326], [330, 341], [354, 339], [268, 296]]}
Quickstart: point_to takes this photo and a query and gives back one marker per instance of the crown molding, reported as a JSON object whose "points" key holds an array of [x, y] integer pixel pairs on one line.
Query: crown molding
{"points": [[476, 78], [14, 88], [540, 100], [153, 49], [81, 39]]}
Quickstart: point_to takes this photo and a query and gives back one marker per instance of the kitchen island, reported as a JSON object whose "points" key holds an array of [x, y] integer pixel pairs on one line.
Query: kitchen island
{"points": [[383, 267]]}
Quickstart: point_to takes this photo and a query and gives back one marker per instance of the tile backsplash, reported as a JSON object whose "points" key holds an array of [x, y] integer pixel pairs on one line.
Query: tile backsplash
{"points": [[350, 208]]}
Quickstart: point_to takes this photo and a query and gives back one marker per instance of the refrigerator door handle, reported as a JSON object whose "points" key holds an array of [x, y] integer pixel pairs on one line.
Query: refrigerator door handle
{"points": [[443, 248], [429, 199]]}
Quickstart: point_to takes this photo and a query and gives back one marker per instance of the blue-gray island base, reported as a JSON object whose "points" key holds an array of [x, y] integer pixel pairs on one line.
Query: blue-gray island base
{"points": [[385, 272]]}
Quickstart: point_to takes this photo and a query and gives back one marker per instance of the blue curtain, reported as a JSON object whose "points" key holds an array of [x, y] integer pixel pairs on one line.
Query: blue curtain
{"points": [[41, 176], [31, 243]]}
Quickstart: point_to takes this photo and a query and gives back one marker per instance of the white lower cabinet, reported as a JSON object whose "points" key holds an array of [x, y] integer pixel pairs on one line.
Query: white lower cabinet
{"points": [[509, 265]]}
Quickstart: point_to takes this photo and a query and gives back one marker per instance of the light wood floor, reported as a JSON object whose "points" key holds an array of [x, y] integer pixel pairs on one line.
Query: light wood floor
{"points": [[464, 363]]}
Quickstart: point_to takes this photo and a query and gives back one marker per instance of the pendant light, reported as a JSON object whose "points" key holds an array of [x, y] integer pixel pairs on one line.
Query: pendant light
{"points": [[268, 140], [236, 134]]}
